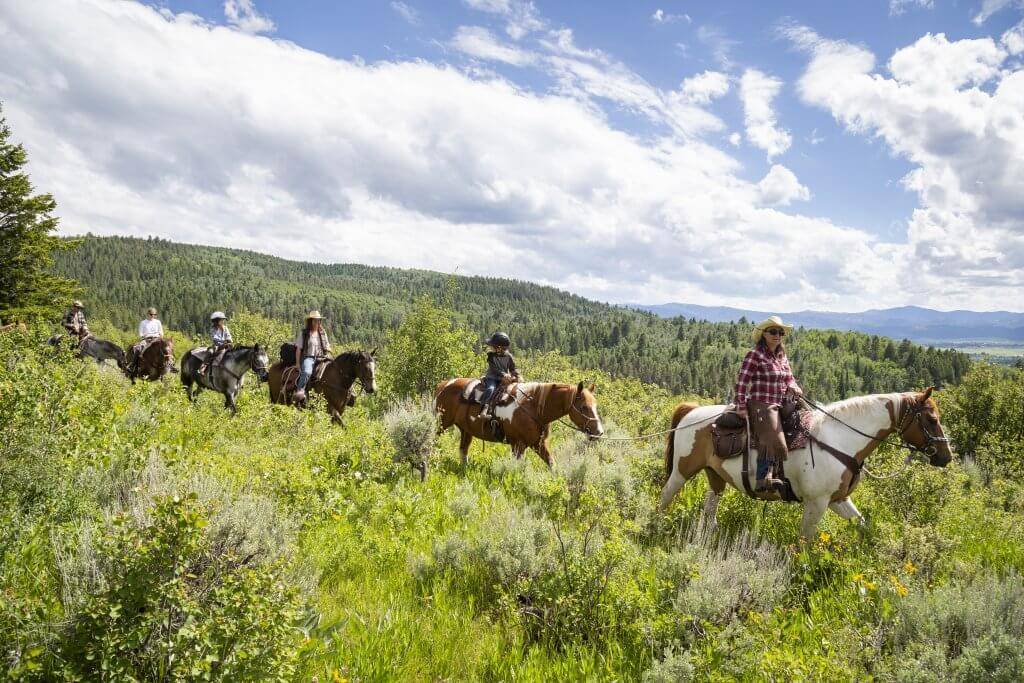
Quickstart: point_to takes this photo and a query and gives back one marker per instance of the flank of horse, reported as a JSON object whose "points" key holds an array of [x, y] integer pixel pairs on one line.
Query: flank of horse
{"points": [[335, 384], [156, 361], [526, 421], [820, 480], [227, 376]]}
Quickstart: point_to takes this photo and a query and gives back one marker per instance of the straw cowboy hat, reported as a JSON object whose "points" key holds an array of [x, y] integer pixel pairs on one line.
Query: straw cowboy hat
{"points": [[772, 321], [314, 315], [77, 304]]}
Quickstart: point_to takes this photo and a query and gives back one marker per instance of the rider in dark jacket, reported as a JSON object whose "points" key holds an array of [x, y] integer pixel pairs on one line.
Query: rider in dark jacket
{"points": [[500, 365]]}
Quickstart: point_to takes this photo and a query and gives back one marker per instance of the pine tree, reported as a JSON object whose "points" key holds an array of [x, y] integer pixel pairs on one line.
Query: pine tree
{"points": [[27, 288]]}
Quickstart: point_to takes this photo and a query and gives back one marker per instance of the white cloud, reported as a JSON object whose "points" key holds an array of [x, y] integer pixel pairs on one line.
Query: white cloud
{"points": [[735, 139], [990, 7], [780, 186], [481, 43], [898, 7], [520, 15], [406, 12], [706, 86], [243, 15], [757, 90], [966, 144], [205, 134], [660, 16], [720, 44], [1013, 39]]}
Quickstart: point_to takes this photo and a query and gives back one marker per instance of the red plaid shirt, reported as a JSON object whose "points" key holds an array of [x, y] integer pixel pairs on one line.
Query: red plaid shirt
{"points": [[764, 376]]}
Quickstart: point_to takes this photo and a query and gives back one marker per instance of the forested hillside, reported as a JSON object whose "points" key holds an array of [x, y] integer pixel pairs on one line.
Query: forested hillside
{"points": [[123, 276]]}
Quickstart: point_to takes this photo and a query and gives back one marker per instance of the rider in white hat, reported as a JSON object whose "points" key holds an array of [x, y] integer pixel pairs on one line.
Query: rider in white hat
{"points": [[765, 380], [311, 344]]}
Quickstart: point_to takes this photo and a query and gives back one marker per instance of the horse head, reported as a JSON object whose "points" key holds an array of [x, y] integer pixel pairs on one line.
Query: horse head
{"points": [[259, 361], [167, 346], [583, 411], [366, 370], [921, 430]]}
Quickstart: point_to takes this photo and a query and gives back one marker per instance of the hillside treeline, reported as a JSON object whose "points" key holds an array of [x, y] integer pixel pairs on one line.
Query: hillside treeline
{"points": [[362, 304]]}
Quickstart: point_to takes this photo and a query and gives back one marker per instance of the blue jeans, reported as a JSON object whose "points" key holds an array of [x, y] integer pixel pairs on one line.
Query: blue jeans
{"points": [[305, 370], [490, 386]]}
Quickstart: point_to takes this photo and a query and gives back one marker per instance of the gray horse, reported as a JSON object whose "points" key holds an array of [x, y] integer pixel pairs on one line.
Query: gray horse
{"points": [[98, 349], [226, 377]]}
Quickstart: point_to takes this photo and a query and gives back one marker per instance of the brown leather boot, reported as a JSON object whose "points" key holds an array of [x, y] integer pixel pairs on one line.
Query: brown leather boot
{"points": [[765, 423]]}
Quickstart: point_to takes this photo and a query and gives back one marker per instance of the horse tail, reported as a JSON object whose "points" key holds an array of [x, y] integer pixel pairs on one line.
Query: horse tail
{"points": [[681, 411]]}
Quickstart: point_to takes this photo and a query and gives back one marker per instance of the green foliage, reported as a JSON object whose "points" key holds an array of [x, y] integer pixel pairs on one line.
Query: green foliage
{"points": [[364, 305], [167, 608], [412, 427], [27, 289], [313, 549], [426, 349]]}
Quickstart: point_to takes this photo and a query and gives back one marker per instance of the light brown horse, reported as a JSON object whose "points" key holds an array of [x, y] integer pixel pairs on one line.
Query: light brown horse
{"points": [[155, 362], [526, 421], [335, 383]]}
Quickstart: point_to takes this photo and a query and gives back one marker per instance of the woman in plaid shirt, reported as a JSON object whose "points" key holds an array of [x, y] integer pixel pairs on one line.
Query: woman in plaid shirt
{"points": [[765, 380]]}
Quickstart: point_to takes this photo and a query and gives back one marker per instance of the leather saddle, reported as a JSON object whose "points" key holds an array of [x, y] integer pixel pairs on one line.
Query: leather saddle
{"points": [[474, 390], [729, 432]]}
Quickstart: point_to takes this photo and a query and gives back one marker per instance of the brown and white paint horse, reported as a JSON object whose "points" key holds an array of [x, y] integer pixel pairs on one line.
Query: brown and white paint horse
{"points": [[526, 421], [818, 478]]}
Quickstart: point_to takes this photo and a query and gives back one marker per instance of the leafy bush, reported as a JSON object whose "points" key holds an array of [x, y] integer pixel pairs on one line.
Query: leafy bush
{"points": [[169, 603], [412, 427]]}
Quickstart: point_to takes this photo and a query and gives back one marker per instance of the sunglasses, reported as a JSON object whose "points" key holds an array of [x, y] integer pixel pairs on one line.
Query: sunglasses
{"points": [[776, 331]]}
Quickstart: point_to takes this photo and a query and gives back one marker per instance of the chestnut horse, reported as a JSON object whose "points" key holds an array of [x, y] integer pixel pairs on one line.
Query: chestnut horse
{"points": [[526, 421], [335, 382], [155, 362], [827, 469]]}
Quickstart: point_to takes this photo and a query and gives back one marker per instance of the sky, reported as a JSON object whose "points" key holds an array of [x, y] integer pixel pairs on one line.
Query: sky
{"points": [[769, 155]]}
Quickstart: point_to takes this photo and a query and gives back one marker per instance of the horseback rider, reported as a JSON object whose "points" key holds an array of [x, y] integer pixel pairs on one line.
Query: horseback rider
{"points": [[220, 335], [311, 345], [764, 383], [501, 367], [74, 321], [150, 329]]}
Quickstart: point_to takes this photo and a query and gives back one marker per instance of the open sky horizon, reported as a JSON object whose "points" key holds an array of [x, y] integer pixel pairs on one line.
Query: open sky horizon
{"points": [[769, 156]]}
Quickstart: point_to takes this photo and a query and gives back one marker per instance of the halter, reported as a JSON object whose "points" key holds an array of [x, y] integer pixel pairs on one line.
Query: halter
{"points": [[587, 418]]}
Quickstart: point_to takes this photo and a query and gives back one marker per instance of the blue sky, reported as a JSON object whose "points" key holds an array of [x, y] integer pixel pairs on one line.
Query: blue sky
{"points": [[853, 154]]}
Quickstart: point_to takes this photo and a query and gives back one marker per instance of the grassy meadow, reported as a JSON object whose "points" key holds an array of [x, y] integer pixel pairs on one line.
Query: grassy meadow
{"points": [[148, 539]]}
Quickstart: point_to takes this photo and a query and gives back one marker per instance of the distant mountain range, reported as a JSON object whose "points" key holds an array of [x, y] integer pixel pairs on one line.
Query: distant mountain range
{"points": [[921, 325]]}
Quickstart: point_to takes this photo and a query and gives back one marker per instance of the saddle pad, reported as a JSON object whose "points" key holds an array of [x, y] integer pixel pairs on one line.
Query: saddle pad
{"points": [[471, 388], [199, 353]]}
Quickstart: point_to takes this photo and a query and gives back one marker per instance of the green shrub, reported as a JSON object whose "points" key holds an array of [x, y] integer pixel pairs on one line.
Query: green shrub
{"points": [[168, 603], [412, 427]]}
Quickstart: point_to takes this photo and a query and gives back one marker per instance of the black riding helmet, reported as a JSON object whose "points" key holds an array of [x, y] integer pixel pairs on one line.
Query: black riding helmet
{"points": [[499, 339]]}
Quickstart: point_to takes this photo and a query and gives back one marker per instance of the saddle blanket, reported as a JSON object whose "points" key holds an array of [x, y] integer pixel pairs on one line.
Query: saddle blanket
{"points": [[475, 390]]}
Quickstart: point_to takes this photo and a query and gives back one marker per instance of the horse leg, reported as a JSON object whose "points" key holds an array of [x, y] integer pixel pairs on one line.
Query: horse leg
{"points": [[465, 440], [847, 510], [814, 508], [229, 402], [716, 485], [685, 469], [545, 454]]}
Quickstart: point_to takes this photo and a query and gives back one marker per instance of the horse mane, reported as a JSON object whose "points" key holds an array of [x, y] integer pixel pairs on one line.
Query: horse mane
{"points": [[350, 356], [856, 406]]}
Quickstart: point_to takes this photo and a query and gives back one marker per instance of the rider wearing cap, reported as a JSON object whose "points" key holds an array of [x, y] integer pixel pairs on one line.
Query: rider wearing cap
{"points": [[501, 366], [765, 380], [311, 344], [74, 320], [150, 329]]}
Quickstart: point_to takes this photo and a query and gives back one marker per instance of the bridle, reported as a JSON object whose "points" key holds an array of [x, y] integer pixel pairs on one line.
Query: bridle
{"points": [[914, 413], [587, 419]]}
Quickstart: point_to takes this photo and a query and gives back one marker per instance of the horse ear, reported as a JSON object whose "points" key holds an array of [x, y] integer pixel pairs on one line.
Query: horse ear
{"points": [[926, 394], [373, 354], [579, 388], [592, 387]]}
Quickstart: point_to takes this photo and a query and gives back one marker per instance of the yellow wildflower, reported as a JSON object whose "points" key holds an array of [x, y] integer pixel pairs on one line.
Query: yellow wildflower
{"points": [[909, 567], [824, 537]]}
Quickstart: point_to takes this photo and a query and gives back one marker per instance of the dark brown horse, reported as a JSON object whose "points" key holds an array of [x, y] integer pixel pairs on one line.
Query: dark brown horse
{"points": [[155, 362], [335, 383], [526, 421]]}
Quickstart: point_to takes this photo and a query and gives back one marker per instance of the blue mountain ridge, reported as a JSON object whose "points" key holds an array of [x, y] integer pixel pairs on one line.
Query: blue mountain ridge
{"points": [[921, 325]]}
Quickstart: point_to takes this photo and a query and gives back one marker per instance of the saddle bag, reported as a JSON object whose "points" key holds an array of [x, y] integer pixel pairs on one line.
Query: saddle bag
{"points": [[288, 351], [729, 435]]}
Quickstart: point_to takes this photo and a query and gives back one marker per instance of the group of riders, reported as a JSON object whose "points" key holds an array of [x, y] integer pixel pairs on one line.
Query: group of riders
{"points": [[764, 386]]}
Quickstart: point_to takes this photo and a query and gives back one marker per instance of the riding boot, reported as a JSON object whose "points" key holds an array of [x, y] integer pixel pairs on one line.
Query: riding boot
{"points": [[764, 422]]}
